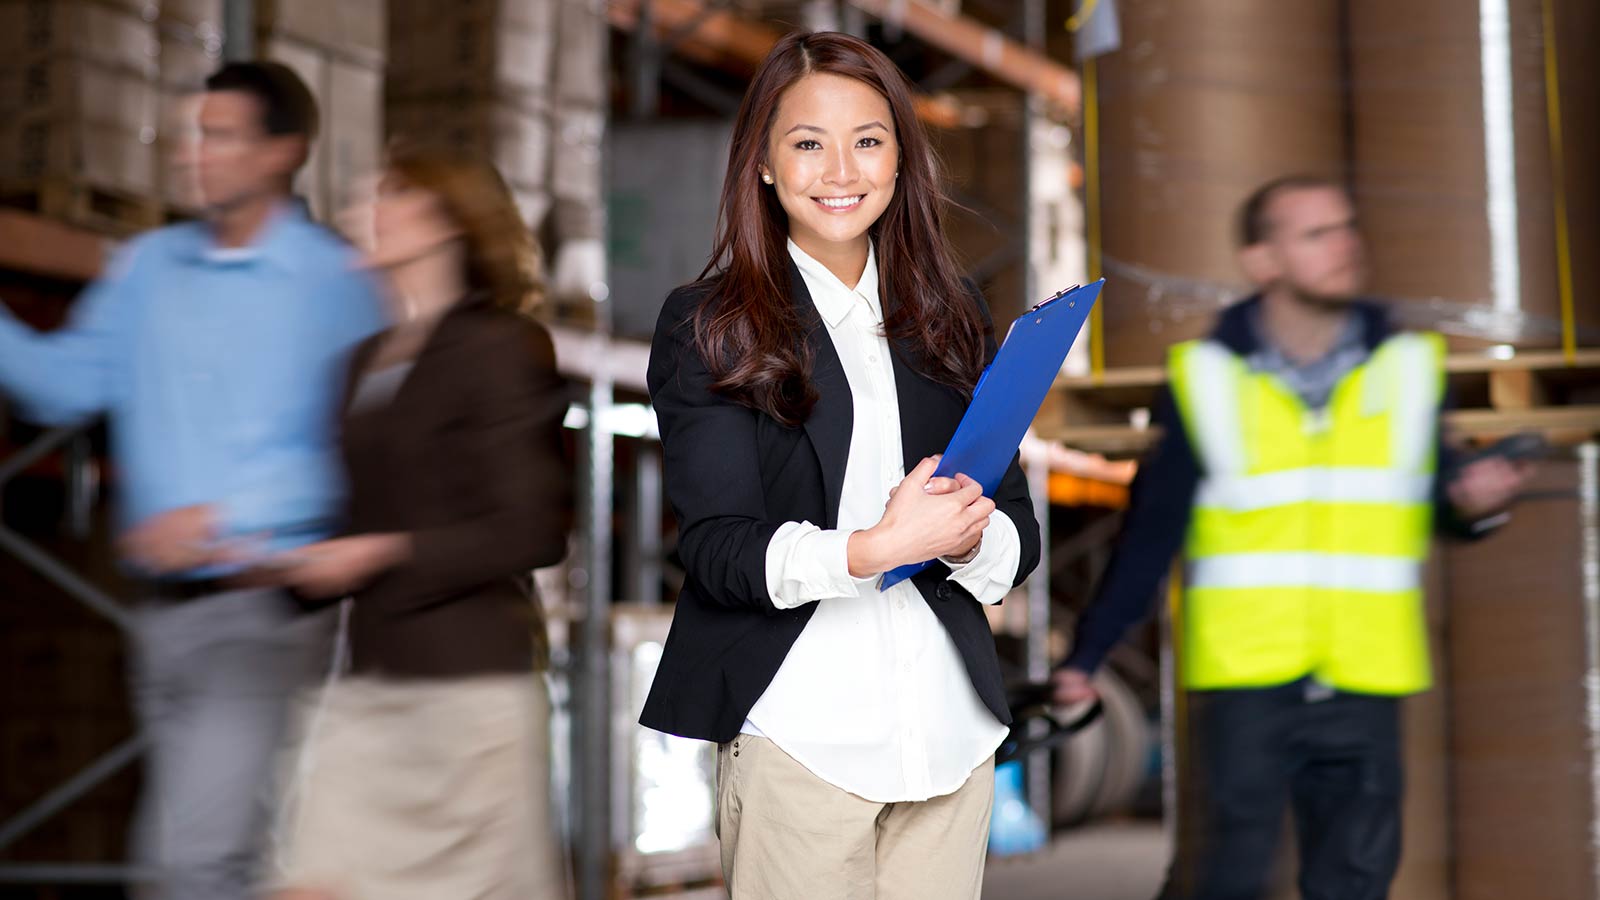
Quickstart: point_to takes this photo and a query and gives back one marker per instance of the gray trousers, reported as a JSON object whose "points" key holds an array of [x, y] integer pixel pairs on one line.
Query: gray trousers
{"points": [[212, 683]]}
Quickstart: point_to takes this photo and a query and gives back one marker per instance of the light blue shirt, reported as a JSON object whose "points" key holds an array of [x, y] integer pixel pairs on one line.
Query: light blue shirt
{"points": [[219, 368]]}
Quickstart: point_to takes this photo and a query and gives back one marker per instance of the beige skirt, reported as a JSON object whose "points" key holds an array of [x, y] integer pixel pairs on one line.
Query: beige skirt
{"points": [[428, 790]]}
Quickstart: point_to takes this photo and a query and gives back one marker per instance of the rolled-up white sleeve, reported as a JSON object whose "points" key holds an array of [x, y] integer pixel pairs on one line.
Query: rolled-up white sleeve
{"points": [[806, 564], [988, 576]]}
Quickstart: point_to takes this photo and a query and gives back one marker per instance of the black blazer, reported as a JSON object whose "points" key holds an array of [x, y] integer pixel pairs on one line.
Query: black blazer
{"points": [[734, 475]]}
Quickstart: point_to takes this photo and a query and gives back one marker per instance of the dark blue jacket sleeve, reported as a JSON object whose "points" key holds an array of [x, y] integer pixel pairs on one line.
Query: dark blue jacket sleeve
{"points": [[1159, 504]]}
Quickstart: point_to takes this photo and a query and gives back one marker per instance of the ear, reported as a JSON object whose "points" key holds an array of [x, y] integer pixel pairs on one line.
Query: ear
{"points": [[1259, 264], [289, 153]]}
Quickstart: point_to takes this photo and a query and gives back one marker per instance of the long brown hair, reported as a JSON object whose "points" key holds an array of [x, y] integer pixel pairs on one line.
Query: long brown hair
{"points": [[747, 328], [502, 258]]}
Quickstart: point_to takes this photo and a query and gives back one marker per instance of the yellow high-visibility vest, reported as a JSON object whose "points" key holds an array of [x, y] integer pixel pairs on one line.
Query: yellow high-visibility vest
{"points": [[1310, 527]]}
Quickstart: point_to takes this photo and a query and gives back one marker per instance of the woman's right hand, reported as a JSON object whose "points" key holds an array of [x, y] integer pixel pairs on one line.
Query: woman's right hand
{"points": [[922, 521]]}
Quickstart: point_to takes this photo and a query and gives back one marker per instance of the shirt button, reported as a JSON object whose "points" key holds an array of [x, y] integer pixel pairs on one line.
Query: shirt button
{"points": [[872, 358], [901, 603]]}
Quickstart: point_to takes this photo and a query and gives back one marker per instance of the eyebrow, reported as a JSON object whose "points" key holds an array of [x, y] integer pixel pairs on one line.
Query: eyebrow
{"points": [[860, 128]]}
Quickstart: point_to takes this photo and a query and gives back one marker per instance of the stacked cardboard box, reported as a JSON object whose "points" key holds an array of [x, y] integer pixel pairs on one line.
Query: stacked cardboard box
{"points": [[474, 78], [339, 49], [190, 32], [78, 108]]}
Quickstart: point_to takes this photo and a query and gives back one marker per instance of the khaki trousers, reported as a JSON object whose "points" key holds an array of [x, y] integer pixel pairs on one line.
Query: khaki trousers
{"points": [[788, 835]]}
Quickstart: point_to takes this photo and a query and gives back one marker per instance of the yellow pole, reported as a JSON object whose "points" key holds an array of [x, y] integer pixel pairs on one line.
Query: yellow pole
{"points": [[1558, 184], [1091, 182]]}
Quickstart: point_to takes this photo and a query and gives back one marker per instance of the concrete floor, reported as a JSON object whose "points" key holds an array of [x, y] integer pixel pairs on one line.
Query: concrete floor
{"points": [[1119, 861]]}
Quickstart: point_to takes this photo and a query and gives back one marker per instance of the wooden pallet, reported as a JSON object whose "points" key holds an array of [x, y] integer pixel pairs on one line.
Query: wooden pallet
{"points": [[1540, 390], [104, 209]]}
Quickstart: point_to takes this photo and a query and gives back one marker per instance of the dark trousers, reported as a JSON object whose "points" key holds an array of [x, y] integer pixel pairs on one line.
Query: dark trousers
{"points": [[1334, 760]]}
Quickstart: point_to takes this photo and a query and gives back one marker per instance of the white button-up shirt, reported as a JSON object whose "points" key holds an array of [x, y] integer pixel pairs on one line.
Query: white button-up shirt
{"points": [[874, 697]]}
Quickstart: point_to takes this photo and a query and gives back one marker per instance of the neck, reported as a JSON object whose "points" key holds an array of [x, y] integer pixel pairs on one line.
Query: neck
{"points": [[426, 288], [1303, 329], [846, 260], [241, 224]]}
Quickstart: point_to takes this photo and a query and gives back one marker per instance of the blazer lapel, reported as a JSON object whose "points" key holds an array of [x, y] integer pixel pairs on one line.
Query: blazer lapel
{"points": [[833, 417]]}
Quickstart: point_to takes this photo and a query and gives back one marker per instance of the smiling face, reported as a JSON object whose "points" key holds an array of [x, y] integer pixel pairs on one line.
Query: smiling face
{"points": [[832, 157]]}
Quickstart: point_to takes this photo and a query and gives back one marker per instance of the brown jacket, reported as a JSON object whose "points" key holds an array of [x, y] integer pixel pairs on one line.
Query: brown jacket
{"points": [[467, 457]]}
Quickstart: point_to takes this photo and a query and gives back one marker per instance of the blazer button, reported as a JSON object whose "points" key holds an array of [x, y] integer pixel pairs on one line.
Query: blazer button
{"points": [[942, 592]]}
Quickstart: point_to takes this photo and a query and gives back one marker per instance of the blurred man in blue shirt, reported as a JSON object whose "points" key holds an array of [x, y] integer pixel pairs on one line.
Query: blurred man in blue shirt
{"points": [[215, 348]]}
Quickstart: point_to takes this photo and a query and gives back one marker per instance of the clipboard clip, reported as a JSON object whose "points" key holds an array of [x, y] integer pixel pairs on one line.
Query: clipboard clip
{"points": [[1052, 298]]}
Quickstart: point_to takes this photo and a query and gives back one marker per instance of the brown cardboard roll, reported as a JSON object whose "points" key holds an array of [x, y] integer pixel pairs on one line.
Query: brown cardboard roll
{"points": [[1423, 169], [1203, 103], [1521, 772]]}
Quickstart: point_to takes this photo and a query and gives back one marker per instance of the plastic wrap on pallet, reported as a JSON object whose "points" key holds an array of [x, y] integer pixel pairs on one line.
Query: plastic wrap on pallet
{"points": [[1451, 154], [1201, 104]]}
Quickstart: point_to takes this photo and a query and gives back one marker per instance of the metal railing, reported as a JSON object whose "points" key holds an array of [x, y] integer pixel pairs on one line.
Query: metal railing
{"points": [[80, 498]]}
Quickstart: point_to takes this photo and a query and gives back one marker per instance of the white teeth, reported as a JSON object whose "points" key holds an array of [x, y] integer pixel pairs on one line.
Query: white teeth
{"points": [[840, 202]]}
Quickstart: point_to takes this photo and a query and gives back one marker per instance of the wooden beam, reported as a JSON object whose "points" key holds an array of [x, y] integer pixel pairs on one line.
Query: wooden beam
{"points": [[984, 47], [724, 40], [1121, 380], [1529, 360], [1561, 425], [38, 246]]}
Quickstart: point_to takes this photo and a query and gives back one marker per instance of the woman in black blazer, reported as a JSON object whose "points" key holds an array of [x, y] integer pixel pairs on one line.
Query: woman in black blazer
{"points": [[803, 386]]}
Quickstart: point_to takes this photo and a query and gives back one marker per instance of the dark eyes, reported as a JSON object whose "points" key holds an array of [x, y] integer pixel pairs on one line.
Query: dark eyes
{"points": [[863, 144]]}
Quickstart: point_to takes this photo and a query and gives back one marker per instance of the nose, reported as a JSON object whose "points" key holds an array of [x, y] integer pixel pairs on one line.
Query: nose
{"points": [[842, 168]]}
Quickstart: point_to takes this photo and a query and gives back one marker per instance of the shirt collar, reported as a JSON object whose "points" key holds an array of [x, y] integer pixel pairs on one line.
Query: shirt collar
{"points": [[830, 296], [275, 244], [1352, 338]]}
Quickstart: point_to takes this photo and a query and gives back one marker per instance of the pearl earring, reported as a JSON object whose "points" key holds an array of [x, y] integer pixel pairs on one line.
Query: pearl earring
{"points": [[767, 178]]}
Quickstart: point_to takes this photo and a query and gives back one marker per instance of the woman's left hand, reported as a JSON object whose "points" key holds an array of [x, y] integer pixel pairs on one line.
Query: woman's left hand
{"points": [[342, 565]]}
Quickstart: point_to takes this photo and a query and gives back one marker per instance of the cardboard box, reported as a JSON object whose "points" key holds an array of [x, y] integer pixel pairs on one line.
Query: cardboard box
{"points": [[198, 15], [38, 148], [75, 88], [312, 67], [187, 59], [353, 130], [107, 34], [478, 48], [354, 29], [516, 141]]}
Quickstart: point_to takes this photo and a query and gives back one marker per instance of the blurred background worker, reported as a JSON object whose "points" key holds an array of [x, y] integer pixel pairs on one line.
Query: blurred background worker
{"points": [[1301, 472], [215, 347], [427, 770]]}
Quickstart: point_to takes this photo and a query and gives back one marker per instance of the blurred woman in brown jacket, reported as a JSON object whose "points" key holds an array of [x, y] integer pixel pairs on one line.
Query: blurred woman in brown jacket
{"points": [[424, 770]]}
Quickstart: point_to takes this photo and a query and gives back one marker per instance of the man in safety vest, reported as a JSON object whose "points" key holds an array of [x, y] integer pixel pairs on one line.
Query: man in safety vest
{"points": [[1301, 473]]}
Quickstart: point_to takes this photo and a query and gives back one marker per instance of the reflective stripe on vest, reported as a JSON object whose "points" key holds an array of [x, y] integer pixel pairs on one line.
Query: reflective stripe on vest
{"points": [[1310, 526]]}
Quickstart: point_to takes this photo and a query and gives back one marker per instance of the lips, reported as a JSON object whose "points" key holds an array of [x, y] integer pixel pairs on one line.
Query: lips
{"points": [[839, 204]]}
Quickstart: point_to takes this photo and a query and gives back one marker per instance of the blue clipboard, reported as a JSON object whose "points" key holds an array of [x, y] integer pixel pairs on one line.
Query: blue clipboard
{"points": [[1008, 396]]}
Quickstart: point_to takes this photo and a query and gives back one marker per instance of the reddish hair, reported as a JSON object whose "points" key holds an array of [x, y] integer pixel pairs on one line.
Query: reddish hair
{"points": [[747, 328]]}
